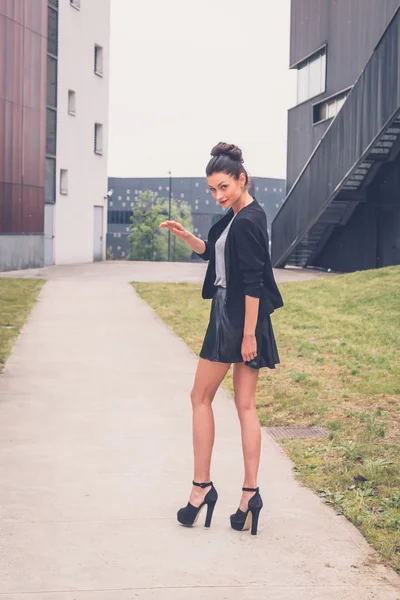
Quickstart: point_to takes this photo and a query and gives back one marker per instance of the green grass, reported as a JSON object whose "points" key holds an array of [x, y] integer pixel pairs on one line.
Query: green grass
{"points": [[339, 343], [17, 297]]}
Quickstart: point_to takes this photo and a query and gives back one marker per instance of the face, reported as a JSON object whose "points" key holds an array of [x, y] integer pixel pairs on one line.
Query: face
{"points": [[225, 189]]}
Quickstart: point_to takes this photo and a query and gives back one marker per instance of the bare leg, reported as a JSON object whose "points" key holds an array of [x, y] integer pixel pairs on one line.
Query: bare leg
{"points": [[209, 376], [245, 383]]}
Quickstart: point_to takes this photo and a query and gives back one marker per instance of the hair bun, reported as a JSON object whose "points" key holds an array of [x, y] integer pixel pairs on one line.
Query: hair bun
{"points": [[230, 150]]}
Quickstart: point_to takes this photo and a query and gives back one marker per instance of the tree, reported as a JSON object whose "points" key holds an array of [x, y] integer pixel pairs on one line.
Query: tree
{"points": [[146, 240]]}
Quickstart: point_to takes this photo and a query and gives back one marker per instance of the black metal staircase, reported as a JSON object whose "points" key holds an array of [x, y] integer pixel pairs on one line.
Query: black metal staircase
{"points": [[365, 133]]}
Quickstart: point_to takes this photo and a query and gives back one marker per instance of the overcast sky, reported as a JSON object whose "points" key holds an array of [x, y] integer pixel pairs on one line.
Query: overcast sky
{"points": [[185, 75]]}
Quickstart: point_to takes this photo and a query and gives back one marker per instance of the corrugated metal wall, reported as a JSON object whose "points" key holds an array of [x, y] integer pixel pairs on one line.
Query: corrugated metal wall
{"points": [[372, 236], [23, 41], [373, 102], [351, 28]]}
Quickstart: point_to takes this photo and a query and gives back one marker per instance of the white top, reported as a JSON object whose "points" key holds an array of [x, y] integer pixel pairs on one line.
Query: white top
{"points": [[220, 257]]}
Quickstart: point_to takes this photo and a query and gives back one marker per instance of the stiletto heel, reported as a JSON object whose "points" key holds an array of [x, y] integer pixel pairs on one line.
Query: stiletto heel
{"points": [[254, 521], [188, 515], [242, 521], [210, 510]]}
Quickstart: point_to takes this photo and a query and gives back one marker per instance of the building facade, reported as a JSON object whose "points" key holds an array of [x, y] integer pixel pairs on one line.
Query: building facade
{"points": [[342, 209], [23, 48], [54, 81], [194, 191]]}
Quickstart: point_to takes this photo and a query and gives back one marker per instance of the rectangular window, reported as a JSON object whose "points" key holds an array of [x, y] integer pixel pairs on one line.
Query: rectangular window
{"points": [[50, 189], [98, 60], [71, 102], [119, 217], [51, 131], [64, 182], [98, 138], [52, 31], [311, 77], [75, 3], [51, 81], [329, 108]]}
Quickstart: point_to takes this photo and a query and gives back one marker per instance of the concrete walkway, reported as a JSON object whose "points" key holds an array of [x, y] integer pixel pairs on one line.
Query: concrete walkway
{"points": [[95, 460]]}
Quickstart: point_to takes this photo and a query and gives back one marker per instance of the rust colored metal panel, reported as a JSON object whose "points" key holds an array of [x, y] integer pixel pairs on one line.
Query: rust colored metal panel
{"points": [[32, 160], [7, 192], [10, 142], [2, 144], [17, 192], [2, 206], [11, 46], [14, 158], [23, 74], [32, 213], [3, 62], [13, 9], [35, 17]]}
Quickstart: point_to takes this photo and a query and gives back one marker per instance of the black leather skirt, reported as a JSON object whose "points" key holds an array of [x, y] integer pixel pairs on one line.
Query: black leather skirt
{"points": [[223, 341]]}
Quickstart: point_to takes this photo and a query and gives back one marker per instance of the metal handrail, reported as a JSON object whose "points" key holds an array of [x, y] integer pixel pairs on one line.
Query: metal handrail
{"points": [[370, 106]]}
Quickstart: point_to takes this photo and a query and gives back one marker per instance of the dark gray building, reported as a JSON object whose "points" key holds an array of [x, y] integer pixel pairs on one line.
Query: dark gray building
{"points": [[205, 210], [342, 209]]}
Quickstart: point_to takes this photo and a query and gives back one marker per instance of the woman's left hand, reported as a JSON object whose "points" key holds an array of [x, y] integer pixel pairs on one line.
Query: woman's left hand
{"points": [[249, 347]]}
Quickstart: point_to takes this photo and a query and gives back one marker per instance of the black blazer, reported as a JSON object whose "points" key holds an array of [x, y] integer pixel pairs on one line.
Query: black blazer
{"points": [[247, 263]]}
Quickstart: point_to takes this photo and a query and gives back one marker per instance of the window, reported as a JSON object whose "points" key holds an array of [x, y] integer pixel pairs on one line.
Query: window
{"points": [[75, 3], [52, 31], [329, 108], [51, 131], [51, 81], [98, 138], [71, 102], [64, 182], [98, 60], [50, 189], [119, 217], [311, 78]]}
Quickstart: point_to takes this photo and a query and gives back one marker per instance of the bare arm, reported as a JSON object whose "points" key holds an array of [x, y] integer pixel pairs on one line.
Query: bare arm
{"points": [[249, 344], [195, 243]]}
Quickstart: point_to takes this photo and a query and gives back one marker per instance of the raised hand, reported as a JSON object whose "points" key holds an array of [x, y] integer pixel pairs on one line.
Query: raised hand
{"points": [[175, 228]]}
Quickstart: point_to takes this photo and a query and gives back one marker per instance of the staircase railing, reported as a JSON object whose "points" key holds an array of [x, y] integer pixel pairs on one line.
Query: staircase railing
{"points": [[369, 108]]}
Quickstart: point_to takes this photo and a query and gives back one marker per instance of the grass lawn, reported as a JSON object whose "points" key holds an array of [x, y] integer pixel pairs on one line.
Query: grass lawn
{"points": [[339, 343], [17, 297]]}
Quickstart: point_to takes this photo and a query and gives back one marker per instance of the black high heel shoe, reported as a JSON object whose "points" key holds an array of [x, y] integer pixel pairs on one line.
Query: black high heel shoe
{"points": [[242, 521], [188, 516]]}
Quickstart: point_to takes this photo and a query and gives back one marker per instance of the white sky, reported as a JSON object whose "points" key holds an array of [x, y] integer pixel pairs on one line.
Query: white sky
{"points": [[185, 75]]}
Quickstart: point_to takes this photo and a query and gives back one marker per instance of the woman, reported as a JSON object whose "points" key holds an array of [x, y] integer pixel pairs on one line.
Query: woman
{"points": [[240, 281]]}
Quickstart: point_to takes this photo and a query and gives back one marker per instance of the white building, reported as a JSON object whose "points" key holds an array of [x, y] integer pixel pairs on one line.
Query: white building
{"points": [[75, 221]]}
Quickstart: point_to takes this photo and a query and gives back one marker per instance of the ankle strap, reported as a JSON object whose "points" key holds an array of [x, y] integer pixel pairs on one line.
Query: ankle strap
{"points": [[203, 485], [250, 489]]}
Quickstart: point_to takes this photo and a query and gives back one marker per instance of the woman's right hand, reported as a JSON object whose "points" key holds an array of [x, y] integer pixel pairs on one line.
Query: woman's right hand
{"points": [[176, 228]]}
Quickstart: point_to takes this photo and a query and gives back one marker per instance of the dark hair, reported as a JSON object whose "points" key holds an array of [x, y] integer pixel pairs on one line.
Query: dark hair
{"points": [[227, 158]]}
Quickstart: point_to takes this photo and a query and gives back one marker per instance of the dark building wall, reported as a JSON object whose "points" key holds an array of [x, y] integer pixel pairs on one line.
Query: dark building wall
{"points": [[384, 194], [23, 47], [371, 238], [353, 247], [302, 140], [269, 192], [351, 29]]}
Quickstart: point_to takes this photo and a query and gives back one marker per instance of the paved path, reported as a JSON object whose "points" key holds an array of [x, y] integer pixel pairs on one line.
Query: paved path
{"points": [[95, 460], [124, 271]]}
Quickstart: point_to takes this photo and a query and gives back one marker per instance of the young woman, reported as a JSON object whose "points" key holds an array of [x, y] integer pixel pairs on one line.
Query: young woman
{"points": [[240, 281]]}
